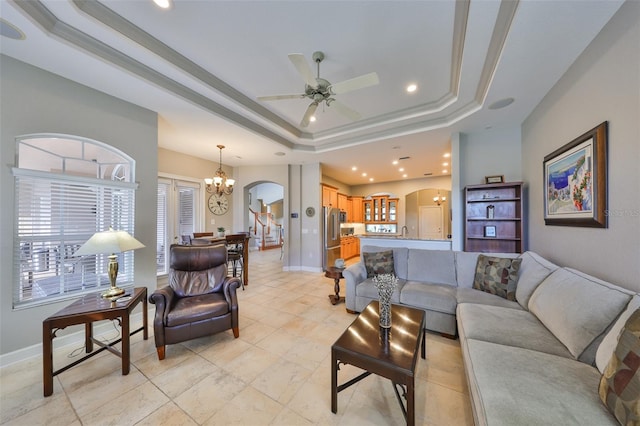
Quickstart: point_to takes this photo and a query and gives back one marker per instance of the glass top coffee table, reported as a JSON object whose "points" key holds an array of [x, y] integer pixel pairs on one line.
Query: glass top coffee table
{"points": [[390, 353]]}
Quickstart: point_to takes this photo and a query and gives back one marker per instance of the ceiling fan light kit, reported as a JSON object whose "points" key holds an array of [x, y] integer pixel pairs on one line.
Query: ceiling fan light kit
{"points": [[320, 90]]}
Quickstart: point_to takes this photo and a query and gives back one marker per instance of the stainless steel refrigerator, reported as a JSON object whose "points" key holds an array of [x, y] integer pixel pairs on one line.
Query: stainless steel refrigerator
{"points": [[330, 236]]}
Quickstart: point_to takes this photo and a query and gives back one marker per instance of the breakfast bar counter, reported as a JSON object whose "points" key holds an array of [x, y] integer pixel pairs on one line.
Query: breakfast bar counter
{"points": [[399, 241]]}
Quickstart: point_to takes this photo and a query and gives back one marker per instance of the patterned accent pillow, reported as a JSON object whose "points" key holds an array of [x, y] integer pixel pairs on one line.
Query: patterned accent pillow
{"points": [[620, 383], [379, 262], [497, 275]]}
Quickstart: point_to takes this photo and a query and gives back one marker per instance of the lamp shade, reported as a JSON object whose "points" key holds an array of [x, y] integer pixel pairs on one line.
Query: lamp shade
{"points": [[109, 242]]}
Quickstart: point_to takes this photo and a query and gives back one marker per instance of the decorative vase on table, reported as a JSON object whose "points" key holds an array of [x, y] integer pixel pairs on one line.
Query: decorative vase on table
{"points": [[386, 285]]}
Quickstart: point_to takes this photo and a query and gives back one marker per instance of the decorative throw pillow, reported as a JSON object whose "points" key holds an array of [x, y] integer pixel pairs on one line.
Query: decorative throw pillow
{"points": [[379, 262], [497, 275], [620, 383]]}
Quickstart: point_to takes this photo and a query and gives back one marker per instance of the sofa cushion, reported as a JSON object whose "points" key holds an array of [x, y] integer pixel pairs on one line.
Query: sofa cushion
{"points": [[400, 255], [577, 308], [497, 275], [533, 270], [470, 295], [610, 341], [434, 297], [516, 386], [432, 266], [507, 326], [466, 262], [379, 262], [620, 383], [368, 289]]}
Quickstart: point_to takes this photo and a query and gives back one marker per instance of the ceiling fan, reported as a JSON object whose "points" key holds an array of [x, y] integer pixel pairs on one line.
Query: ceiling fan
{"points": [[320, 90]]}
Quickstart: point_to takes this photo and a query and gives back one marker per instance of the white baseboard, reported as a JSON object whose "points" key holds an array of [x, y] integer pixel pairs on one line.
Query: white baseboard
{"points": [[70, 340]]}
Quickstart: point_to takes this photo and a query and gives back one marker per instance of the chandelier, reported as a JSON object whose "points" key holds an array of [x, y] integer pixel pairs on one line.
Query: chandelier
{"points": [[220, 183], [439, 199]]}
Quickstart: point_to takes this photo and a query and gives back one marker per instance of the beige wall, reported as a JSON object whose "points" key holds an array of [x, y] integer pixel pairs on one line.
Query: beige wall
{"points": [[36, 101], [602, 85]]}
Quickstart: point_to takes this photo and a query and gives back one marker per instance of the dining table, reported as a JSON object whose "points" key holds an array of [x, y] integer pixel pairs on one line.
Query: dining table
{"points": [[223, 240]]}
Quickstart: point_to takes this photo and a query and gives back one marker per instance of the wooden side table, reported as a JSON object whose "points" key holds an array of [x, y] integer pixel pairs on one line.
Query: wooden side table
{"points": [[336, 274], [87, 310]]}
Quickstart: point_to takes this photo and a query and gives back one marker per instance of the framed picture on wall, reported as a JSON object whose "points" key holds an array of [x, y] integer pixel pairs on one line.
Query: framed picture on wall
{"points": [[575, 181], [494, 179]]}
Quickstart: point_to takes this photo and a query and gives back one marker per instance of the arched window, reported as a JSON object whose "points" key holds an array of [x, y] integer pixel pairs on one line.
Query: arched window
{"points": [[66, 189]]}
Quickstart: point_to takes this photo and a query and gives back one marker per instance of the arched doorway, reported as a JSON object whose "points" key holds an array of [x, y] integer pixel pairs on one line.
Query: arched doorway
{"points": [[265, 215]]}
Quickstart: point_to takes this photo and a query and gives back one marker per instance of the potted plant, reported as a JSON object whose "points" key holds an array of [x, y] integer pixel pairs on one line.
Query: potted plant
{"points": [[220, 231]]}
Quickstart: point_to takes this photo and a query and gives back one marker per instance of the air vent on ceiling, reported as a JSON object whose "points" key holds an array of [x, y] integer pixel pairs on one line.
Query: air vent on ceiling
{"points": [[428, 174], [404, 158]]}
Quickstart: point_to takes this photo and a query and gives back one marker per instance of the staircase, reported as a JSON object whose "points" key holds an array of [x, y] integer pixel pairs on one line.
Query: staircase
{"points": [[266, 231]]}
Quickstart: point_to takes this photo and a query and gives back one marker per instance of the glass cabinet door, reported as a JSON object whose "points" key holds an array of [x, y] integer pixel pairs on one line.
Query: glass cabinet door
{"points": [[367, 210], [392, 210], [383, 209], [376, 209]]}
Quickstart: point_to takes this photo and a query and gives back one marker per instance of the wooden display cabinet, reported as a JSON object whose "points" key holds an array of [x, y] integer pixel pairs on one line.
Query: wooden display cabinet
{"points": [[380, 209], [494, 221]]}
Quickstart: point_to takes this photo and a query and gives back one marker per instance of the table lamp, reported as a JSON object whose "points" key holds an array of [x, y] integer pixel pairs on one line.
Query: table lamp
{"points": [[110, 242]]}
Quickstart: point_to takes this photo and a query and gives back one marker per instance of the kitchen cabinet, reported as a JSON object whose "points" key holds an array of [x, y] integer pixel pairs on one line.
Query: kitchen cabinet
{"points": [[380, 209], [494, 219], [349, 247], [329, 196], [356, 210], [342, 202]]}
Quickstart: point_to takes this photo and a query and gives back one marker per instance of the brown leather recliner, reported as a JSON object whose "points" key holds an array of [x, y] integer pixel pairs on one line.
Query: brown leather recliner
{"points": [[200, 299]]}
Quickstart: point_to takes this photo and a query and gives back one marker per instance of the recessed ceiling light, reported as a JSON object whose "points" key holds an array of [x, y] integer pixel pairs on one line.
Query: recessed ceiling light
{"points": [[445, 171], [364, 174], [445, 164], [165, 4], [370, 179], [394, 162], [412, 88], [9, 30], [446, 155], [354, 168], [404, 175], [501, 103], [401, 169], [312, 118]]}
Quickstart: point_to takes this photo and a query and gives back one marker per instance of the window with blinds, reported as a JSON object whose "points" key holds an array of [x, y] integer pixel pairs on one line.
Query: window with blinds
{"points": [[67, 189]]}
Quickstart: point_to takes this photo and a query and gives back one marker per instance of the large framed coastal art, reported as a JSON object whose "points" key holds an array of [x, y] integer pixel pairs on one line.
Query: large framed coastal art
{"points": [[575, 181]]}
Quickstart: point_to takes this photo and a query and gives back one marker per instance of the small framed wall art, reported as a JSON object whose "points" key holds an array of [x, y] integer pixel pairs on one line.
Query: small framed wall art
{"points": [[490, 231], [494, 179]]}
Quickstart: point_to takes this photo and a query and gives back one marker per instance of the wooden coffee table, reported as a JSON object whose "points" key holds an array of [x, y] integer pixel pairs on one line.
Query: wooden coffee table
{"points": [[87, 310], [391, 353]]}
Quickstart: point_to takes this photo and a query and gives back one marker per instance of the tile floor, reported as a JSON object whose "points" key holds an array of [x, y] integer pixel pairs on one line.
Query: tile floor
{"points": [[276, 373]]}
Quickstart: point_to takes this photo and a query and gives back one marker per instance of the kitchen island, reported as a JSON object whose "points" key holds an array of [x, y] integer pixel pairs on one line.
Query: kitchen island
{"points": [[400, 241]]}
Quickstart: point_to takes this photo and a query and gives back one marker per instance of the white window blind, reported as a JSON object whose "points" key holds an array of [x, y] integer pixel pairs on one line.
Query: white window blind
{"points": [[57, 211], [162, 231]]}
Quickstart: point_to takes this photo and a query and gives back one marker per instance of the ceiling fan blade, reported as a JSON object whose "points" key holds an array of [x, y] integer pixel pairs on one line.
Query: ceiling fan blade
{"points": [[279, 97], [356, 83], [307, 115], [345, 110], [301, 64]]}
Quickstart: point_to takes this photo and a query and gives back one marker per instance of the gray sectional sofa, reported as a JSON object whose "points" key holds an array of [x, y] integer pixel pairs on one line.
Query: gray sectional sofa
{"points": [[536, 360]]}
